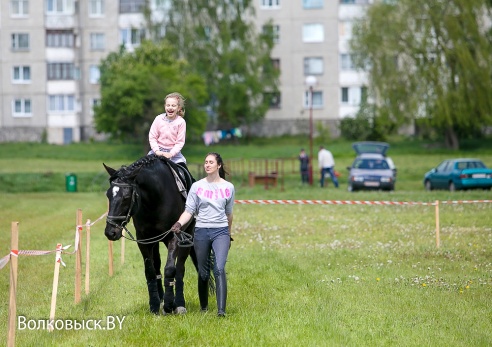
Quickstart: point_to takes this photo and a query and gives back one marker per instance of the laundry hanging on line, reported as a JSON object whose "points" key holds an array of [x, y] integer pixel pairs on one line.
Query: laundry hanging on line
{"points": [[215, 136]]}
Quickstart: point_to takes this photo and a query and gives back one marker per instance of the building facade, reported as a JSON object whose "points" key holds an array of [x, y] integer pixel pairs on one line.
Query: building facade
{"points": [[312, 41], [49, 57]]}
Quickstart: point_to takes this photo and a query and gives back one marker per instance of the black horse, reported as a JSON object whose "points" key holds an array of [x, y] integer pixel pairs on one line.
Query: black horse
{"points": [[147, 191]]}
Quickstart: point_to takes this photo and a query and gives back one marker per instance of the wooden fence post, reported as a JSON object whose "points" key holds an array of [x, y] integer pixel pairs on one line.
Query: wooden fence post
{"points": [[438, 241], [55, 286], [110, 257], [122, 240], [14, 251], [87, 255], [78, 257]]}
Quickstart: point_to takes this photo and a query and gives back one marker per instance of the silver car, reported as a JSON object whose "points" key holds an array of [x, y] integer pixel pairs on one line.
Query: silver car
{"points": [[371, 169]]}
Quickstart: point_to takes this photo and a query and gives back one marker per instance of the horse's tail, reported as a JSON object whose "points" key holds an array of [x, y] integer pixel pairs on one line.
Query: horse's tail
{"points": [[211, 281], [193, 258]]}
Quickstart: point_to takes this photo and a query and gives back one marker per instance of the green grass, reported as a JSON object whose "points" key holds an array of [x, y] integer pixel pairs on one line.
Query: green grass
{"points": [[324, 275], [317, 275], [29, 167]]}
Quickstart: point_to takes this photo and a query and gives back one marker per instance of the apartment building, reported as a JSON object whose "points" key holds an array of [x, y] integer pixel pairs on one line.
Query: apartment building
{"points": [[312, 41], [49, 56]]}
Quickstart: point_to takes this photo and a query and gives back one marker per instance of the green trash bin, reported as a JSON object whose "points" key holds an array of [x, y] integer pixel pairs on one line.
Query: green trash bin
{"points": [[71, 182]]}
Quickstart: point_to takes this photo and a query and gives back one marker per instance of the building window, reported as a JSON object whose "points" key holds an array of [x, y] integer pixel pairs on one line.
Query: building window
{"points": [[132, 6], [346, 62], [345, 95], [20, 42], [313, 66], [313, 33], [97, 42], [96, 8], [275, 63], [270, 3], [312, 4], [363, 94], [59, 6], [19, 8], [95, 74], [21, 74], [61, 71], [60, 38], [132, 36], [273, 31], [345, 29], [353, 95], [67, 136], [162, 4], [61, 103], [274, 99], [317, 99], [362, 2], [22, 108], [93, 104]]}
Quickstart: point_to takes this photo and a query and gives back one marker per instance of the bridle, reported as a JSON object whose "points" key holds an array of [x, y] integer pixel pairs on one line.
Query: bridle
{"points": [[184, 239], [111, 220]]}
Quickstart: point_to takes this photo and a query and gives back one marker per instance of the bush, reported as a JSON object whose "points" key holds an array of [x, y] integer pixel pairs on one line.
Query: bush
{"points": [[356, 129]]}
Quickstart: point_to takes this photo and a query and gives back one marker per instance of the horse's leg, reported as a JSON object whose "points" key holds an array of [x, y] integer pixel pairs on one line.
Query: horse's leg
{"points": [[157, 267], [151, 277], [169, 276], [182, 254], [179, 300]]}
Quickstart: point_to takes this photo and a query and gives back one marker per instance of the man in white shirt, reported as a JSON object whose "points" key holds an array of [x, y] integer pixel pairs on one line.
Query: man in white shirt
{"points": [[326, 164]]}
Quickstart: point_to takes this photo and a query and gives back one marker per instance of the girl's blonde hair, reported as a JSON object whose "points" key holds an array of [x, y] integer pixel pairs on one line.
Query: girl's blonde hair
{"points": [[181, 102]]}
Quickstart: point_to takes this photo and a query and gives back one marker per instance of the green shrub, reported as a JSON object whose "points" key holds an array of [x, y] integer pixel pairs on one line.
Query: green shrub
{"points": [[356, 129]]}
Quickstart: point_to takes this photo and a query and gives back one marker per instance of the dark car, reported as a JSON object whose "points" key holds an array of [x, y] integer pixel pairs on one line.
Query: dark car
{"points": [[459, 174], [371, 169]]}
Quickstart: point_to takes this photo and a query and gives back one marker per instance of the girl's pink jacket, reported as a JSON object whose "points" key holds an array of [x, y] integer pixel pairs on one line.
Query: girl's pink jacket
{"points": [[167, 134]]}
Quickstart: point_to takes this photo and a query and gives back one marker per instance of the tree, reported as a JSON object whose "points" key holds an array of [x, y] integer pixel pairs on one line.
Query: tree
{"points": [[220, 41], [133, 87], [429, 60]]}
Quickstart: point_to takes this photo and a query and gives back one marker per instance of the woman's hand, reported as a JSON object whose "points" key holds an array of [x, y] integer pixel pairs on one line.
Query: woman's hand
{"points": [[176, 228]]}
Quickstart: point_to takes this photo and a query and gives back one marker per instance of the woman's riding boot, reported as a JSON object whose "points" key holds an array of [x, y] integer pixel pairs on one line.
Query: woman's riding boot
{"points": [[203, 294], [221, 284]]}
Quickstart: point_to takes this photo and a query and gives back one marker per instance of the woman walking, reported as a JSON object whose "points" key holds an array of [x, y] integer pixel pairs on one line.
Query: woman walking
{"points": [[211, 201]]}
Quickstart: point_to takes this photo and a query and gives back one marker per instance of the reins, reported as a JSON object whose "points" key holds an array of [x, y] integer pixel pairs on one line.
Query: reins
{"points": [[184, 239]]}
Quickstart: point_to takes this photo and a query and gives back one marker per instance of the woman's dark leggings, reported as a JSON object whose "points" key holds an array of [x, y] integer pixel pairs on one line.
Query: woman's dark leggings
{"points": [[206, 240]]}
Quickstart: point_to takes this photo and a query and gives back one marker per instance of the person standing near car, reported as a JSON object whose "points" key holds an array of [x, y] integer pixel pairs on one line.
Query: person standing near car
{"points": [[304, 166], [326, 164]]}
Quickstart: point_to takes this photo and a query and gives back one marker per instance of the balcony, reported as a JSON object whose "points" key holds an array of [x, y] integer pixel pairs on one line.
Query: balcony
{"points": [[132, 6]]}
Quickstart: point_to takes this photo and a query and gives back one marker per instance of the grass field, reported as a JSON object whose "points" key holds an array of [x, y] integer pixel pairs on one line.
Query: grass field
{"points": [[29, 167], [316, 275]]}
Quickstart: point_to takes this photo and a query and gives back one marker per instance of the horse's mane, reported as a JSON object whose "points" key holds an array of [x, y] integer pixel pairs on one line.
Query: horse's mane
{"points": [[126, 171]]}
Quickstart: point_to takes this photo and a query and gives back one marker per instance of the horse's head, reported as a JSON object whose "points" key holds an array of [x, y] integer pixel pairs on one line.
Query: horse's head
{"points": [[122, 198]]}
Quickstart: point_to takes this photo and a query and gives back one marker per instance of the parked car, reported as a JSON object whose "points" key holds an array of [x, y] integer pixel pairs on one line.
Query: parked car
{"points": [[458, 174], [371, 169]]}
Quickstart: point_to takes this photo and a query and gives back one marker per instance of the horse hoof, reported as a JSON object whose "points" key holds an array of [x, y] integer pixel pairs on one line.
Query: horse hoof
{"points": [[164, 312], [180, 310]]}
